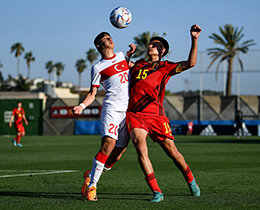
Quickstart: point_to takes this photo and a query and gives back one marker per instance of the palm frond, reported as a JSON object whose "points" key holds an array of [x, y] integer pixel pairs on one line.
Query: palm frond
{"points": [[241, 64]]}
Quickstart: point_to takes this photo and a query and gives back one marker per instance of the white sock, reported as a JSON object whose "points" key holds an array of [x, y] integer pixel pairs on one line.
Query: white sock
{"points": [[96, 172]]}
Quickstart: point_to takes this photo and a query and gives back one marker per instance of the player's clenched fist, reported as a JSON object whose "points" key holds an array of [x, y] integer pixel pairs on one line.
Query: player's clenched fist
{"points": [[77, 110], [195, 31]]}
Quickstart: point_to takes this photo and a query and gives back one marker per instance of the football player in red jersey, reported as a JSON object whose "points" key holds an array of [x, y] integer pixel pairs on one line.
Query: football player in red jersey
{"points": [[18, 115], [145, 114]]}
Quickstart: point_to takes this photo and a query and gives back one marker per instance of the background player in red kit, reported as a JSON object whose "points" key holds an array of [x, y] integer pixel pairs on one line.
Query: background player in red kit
{"points": [[190, 128], [18, 115], [145, 114]]}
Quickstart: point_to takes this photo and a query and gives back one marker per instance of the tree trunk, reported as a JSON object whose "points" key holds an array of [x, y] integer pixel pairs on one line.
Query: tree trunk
{"points": [[229, 76], [18, 72], [28, 72], [79, 82]]}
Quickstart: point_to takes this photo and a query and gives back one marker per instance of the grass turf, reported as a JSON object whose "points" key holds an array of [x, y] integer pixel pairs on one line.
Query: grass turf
{"points": [[226, 169]]}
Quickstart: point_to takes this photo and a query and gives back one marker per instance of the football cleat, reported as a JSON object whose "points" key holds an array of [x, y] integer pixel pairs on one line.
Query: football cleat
{"points": [[14, 142], [194, 188], [86, 183], [157, 197], [105, 170], [91, 194], [19, 145]]}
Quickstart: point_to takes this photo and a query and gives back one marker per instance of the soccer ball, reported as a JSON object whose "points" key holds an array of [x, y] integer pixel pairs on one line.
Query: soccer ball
{"points": [[120, 17]]}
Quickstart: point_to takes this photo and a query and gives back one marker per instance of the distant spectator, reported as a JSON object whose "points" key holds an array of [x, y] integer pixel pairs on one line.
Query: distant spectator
{"points": [[239, 124], [190, 128]]}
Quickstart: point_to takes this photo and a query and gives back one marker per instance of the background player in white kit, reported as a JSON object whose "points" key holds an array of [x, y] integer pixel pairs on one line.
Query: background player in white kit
{"points": [[112, 72]]}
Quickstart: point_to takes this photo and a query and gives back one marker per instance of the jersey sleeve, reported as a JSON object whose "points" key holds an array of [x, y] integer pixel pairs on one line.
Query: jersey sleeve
{"points": [[95, 77], [174, 67]]}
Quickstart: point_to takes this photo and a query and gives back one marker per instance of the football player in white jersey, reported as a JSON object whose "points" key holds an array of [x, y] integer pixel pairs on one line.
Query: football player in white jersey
{"points": [[112, 72]]}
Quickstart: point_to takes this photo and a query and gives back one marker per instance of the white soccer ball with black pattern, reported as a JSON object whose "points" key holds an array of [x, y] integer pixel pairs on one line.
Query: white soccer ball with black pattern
{"points": [[120, 17]]}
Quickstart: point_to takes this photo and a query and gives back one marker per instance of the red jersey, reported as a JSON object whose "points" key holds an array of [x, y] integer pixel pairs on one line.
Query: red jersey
{"points": [[190, 126], [147, 86], [18, 115]]}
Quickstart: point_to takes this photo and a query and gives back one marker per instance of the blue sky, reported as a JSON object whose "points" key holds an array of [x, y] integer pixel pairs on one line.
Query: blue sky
{"points": [[63, 31]]}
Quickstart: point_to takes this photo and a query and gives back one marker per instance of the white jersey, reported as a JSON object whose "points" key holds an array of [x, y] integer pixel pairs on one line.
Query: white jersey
{"points": [[113, 74]]}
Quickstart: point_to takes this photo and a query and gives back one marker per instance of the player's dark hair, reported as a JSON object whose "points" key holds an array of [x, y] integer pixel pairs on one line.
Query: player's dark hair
{"points": [[164, 43], [99, 37], [19, 102]]}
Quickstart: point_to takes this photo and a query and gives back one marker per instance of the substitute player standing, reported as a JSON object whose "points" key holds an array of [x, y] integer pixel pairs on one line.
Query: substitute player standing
{"points": [[239, 124], [112, 72], [145, 114], [19, 115]]}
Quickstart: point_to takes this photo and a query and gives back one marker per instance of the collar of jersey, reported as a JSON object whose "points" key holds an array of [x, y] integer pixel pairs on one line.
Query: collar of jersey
{"points": [[152, 62], [110, 57]]}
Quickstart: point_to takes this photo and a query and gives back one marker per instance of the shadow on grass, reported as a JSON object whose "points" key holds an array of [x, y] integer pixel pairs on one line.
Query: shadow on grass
{"points": [[74, 196], [77, 196]]}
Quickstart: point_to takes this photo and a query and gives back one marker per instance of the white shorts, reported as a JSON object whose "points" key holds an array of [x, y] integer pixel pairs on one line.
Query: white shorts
{"points": [[113, 124]]}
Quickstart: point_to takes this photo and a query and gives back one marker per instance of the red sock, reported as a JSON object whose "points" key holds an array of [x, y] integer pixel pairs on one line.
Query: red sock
{"points": [[101, 157], [18, 139], [152, 182], [188, 175]]}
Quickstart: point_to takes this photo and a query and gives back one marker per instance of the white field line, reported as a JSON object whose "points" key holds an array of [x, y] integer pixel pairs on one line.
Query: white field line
{"points": [[41, 172], [27, 170]]}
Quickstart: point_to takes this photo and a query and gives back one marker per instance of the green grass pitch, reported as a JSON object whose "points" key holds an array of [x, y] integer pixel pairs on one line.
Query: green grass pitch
{"points": [[47, 173]]}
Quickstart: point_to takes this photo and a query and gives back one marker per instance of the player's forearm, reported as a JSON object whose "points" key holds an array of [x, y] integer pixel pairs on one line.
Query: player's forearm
{"points": [[90, 97], [88, 100], [192, 60], [24, 118], [11, 119]]}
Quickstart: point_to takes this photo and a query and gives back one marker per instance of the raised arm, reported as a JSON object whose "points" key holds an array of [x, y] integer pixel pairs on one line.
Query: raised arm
{"points": [[192, 59], [129, 53], [89, 98]]}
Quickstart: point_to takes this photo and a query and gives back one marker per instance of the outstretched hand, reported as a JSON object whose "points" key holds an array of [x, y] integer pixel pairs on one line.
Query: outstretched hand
{"points": [[131, 51], [195, 31]]}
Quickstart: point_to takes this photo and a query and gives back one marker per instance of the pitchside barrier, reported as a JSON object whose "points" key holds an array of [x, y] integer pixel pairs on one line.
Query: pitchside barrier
{"points": [[179, 127], [59, 120], [213, 128], [87, 127]]}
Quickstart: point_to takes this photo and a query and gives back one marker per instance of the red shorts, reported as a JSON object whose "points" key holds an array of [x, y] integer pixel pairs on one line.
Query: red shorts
{"points": [[158, 127], [19, 128]]}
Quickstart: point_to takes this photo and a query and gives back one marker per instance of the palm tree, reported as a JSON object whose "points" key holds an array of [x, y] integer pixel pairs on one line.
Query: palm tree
{"points": [[92, 55], [1, 65], [81, 66], [60, 67], [230, 50], [29, 58], [22, 84], [141, 41], [1, 80], [49, 67], [18, 48]]}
